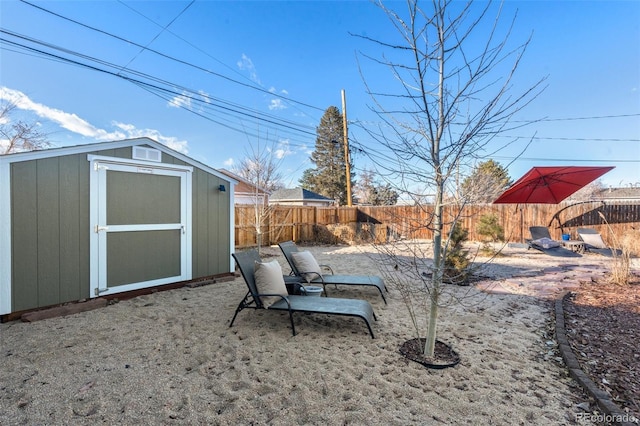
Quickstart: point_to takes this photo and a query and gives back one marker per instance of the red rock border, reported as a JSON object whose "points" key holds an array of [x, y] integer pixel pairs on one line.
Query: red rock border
{"points": [[602, 398]]}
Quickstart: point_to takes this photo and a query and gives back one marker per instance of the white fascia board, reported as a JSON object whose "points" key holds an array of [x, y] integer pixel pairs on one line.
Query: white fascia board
{"points": [[80, 149], [5, 237], [232, 226], [125, 161]]}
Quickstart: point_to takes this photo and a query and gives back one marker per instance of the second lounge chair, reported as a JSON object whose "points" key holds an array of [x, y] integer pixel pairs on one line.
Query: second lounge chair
{"points": [[595, 244], [314, 275]]}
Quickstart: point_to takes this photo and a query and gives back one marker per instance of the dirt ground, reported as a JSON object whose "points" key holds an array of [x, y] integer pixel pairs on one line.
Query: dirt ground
{"points": [[171, 357]]}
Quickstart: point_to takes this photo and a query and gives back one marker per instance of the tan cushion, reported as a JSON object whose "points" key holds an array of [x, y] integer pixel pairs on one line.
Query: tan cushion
{"points": [[304, 263], [594, 240], [269, 280]]}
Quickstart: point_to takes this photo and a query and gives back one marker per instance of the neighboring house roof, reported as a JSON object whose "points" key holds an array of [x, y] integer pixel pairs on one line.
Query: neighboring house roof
{"points": [[629, 193], [297, 194]]}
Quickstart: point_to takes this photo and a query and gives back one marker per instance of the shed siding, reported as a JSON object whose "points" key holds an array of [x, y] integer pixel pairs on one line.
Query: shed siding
{"points": [[24, 236], [50, 227], [211, 216], [48, 230], [73, 231], [210, 241], [200, 244]]}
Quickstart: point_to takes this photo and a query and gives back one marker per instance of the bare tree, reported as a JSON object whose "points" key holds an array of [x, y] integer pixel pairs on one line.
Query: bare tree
{"points": [[260, 168], [591, 192], [18, 136], [454, 68]]}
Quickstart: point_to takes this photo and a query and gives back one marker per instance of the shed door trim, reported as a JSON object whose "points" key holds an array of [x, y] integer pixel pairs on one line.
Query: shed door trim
{"points": [[100, 230], [5, 238]]}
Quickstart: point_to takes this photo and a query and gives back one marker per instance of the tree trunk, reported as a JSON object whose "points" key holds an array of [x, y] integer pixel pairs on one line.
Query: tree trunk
{"points": [[436, 283]]}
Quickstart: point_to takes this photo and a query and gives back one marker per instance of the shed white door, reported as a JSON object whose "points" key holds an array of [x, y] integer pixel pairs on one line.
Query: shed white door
{"points": [[141, 231]]}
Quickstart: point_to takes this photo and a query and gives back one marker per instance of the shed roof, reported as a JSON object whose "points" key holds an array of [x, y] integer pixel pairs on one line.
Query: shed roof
{"points": [[79, 149]]}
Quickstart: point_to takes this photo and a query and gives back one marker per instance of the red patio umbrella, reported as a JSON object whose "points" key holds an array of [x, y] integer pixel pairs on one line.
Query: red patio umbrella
{"points": [[550, 185]]}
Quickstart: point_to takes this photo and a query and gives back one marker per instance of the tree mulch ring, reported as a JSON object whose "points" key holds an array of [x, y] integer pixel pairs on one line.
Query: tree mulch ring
{"points": [[443, 355]]}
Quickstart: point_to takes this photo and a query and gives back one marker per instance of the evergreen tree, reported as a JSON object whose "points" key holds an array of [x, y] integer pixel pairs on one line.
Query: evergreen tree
{"points": [[369, 191], [385, 195], [487, 181], [329, 176]]}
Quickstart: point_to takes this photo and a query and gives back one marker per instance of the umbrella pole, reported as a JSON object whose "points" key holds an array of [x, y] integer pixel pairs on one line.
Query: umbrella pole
{"points": [[521, 222], [521, 226]]}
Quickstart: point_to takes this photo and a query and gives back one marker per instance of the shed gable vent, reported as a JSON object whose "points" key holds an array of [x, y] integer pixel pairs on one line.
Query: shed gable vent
{"points": [[148, 154]]}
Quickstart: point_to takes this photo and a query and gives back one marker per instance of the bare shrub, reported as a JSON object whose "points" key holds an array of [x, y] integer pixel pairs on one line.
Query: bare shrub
{"points": [[621, 250]]}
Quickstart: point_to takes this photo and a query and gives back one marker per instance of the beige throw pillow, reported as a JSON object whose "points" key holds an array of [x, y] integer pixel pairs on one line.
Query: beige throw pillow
{"points": [[269, 280], [594, 240], [305, 263]]}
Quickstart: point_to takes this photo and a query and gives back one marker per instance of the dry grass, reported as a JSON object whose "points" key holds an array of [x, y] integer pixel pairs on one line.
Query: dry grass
{"points": [[631, 242], [621, 266]]}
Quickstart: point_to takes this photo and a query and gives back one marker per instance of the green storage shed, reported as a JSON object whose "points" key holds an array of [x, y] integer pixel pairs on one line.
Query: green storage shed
{"points": [[94, 220]]}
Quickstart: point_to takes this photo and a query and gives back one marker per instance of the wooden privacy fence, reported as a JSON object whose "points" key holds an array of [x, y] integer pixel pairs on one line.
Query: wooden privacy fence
{"points": [[283, 223], [381, 223]]}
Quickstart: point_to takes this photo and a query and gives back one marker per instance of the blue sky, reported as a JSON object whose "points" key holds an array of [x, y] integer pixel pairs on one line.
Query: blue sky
{"points": [[271, 68]]}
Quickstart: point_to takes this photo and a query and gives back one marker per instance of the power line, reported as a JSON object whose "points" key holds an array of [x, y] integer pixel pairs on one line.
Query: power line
{"points": [[158, 35], [183, 62], [185, 41], [569, 138], [220, 106], [207, 54], [595, 117], [191, 94], [573, 160]]}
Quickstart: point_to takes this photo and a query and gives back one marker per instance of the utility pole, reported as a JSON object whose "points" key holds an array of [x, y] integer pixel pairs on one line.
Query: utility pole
{"points": [[346, 147]]}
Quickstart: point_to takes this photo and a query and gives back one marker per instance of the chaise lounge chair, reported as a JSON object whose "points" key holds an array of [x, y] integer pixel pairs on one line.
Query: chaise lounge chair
{"points": [[274, 294], [541, 240], [595, 244], [303, 264]]}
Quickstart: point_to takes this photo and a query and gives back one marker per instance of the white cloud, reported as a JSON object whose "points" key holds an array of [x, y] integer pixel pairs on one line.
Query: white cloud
{"points": [[276, 104], [246, 64], [185, 100], [170, 141], [205, 96], [229, 162], [283, 149], [181, 101], [68, 121], [77, 125]]}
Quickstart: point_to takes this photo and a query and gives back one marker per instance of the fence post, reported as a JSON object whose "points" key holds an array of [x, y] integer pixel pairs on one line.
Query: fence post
{"points": [[294, 222]]}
